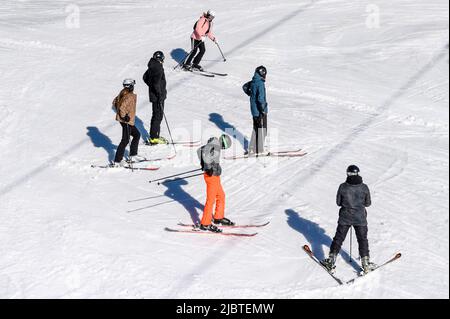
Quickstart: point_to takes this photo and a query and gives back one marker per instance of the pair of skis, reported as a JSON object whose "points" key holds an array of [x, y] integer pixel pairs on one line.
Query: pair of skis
{"points": [[181, 143], [131, 163], [146, 160], [309, 252], [130, 167], [206, 73], [194, 229], [288, 153]]}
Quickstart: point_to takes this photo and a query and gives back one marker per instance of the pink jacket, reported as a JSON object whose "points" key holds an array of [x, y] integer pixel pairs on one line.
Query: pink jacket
{"points": [[203, 28]]}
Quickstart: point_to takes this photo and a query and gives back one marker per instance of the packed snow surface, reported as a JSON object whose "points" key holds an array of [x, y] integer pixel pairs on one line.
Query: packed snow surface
{"points": [[349, 82]]}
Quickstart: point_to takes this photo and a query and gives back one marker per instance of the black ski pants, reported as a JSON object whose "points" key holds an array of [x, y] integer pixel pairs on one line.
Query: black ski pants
{"points": [[157, 117], [259, 134], [127, 131], [197, 46], [361, 235]]}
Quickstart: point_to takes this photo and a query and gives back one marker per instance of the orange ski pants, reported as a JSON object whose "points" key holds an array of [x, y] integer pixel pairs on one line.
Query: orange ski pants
{"points": [[214, 195]]}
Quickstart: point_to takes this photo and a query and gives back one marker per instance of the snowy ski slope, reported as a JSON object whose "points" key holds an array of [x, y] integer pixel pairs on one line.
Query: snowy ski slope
{"points": [[342, 85]]}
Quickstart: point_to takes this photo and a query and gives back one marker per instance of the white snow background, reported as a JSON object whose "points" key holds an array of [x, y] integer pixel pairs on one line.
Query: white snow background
{"points": [[351, 82]]}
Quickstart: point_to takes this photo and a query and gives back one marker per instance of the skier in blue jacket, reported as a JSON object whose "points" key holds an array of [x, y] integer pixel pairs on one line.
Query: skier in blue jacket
{"points": [[259, 108]]}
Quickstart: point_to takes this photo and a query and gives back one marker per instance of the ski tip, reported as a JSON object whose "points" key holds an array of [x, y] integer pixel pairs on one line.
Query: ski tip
{"points": [[247, 235], [306, 247], [398, 255]]}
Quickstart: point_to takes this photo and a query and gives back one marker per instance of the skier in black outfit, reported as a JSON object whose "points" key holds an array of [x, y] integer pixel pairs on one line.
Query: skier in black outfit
{"points": [[155, 78], [353, 197]]}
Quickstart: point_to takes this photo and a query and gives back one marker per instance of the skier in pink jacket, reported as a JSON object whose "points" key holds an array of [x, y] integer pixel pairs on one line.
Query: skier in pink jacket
{"points": [[202, 29]]}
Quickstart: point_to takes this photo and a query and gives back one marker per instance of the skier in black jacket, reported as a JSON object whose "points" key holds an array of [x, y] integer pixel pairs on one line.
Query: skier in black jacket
{"points": [[155, 78], [353, 197]]}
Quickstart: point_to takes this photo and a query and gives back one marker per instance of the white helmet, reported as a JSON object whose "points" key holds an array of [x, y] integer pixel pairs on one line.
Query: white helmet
{"points": [[129, 83], [211, 13]]}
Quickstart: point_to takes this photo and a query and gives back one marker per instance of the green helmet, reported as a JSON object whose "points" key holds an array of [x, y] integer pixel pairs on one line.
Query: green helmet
{"points": [[225, 141]]}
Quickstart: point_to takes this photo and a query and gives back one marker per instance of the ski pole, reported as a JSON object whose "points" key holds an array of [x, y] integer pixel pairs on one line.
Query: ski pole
{"points": [[170, 134], [160, 179], [182, 61], [351, 242], [224, 59], [129, 137], [179, 179]]}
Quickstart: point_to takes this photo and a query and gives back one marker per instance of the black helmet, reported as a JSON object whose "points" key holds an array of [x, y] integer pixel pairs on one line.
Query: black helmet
{"points": [[261, 70], [211, 14], [159, 56], [225, 141], [352, 170]]}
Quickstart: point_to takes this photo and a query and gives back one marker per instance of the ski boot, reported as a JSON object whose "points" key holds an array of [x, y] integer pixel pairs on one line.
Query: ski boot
{"points": [[186, 67], [367, 266], [210, 228], [121, 164], [197, 67], [136, 159], [223, 222], [157, 141], [330, 263]]}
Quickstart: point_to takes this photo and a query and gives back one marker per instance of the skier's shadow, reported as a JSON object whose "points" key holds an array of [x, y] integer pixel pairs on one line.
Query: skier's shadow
{"points": [[315, 235], [177, 193], [179, 55], [141, 128], [100, 140], [228, 128]]}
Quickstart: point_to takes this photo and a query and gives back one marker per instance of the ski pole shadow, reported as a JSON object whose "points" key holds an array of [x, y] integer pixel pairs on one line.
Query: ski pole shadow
{"points": [[100, 140], [229, 129], [177, 193], [315, 235], [178, 55]]}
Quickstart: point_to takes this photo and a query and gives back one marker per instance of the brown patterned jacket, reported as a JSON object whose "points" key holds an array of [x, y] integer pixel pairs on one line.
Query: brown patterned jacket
{"points": [[125, 103]]}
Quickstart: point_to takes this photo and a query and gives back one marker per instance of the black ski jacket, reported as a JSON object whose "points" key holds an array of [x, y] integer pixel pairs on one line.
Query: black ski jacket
{"points": [[156, 80], [353, 197]]}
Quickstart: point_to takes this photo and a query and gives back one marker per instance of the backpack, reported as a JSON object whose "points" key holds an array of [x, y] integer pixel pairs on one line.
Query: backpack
{"points": [[200, 157], [195, 27], [247, 88], [146, 77]]}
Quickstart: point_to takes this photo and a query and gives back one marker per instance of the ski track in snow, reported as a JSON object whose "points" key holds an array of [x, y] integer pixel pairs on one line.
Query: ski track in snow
{"points": [[339, 90]]}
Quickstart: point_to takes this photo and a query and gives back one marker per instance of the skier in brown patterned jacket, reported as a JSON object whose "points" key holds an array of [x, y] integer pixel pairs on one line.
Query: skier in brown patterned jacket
{"points": [[125, 106]]}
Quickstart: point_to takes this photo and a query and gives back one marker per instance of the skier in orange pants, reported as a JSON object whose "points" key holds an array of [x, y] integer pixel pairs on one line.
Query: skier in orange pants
{"points": [[214, 195], [209, 155]]}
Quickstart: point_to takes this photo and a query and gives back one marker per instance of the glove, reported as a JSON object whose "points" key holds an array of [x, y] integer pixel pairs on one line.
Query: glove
{"points": [[160, 104], [209, 172], [261, 120], [126, 118]]}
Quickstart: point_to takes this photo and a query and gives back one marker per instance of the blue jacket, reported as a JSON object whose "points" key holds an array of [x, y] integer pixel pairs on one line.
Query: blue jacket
{"points": [[258, 101]]}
